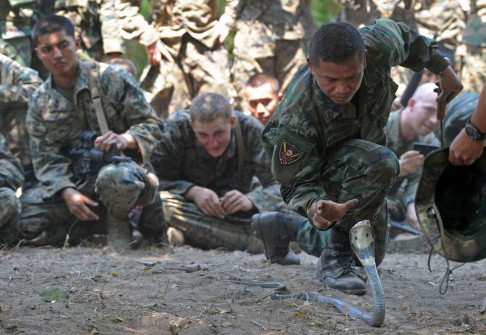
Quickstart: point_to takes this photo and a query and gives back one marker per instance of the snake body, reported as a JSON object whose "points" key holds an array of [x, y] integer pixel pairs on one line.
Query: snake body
{"points": [[362, 243]]}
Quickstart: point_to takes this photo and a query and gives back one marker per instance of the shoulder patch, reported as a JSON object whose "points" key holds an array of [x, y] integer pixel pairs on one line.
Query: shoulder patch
{"points": [[289, 153]]}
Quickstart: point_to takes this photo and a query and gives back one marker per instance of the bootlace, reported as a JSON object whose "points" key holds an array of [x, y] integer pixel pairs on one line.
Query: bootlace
{"points": [[346, 261]]}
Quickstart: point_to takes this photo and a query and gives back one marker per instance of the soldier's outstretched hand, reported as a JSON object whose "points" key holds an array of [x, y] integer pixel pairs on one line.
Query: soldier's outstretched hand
{"points": [[78, 203], [325, 212]]}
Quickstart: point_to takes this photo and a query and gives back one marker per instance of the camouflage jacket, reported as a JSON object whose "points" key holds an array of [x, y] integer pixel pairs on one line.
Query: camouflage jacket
{"points": [[95, 21], [55, 124], [399, 146], [11, 172], [174, 18], [308, 124], [475, 30], [443, 20], [285, 20], [181, 162], [17, 83]]}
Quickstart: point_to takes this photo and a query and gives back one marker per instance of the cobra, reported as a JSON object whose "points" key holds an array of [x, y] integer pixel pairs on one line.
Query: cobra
{"points": [[362, 243]]}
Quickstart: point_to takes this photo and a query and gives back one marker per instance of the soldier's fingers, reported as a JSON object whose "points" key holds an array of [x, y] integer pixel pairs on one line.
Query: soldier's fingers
{"points": [[321, 223], [351, 204]]}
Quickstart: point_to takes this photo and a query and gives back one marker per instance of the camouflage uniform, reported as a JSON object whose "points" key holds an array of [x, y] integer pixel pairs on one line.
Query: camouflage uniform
{"points": [[55, 126], [181, 162], [459, 110], [17, 83], [403, 190], [11, 178], [360, 13], [95, 21], [271, 37], [364, 12], [471, 53], [188, 30], [321, 150]]}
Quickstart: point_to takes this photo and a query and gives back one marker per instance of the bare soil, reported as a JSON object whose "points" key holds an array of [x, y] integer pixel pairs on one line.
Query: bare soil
{"points": [[162, 290]]}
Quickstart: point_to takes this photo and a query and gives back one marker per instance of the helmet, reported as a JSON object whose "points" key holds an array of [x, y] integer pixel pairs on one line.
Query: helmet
{"points": [[453, 197]]}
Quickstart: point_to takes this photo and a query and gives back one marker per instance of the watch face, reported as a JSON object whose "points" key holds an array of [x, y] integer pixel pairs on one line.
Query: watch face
{"points": [[471, 132], [474, 133]]}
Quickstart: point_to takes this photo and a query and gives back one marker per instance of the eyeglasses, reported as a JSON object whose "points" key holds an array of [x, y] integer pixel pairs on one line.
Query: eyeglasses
{"points": [[254, 103]]}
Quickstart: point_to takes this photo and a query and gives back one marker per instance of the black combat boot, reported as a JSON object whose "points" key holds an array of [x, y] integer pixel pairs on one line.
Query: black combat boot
{"points": [[277, 230], [336, 266]]}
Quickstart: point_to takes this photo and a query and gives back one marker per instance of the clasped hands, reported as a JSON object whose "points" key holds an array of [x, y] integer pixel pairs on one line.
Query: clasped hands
{"points": [[211, 204]]}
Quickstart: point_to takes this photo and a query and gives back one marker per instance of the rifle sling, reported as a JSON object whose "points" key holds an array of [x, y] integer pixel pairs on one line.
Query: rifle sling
{"points": [[95, 97]]}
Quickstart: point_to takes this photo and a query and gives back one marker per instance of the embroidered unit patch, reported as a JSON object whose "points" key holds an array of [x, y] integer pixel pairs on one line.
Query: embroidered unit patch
{"points": [[289, 153]]}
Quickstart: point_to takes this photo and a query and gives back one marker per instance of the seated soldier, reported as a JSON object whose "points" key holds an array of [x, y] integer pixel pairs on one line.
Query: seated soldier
{"points": [[415, 123], [206, 162], [11, 178], [78, 120], [17, 83], [262, 96]]}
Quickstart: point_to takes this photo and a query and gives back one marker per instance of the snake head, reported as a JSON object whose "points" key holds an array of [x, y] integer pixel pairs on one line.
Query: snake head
{"points": [[362, 238]]}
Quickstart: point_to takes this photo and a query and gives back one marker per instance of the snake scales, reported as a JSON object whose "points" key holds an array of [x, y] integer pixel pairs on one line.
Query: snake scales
{"points": [[362, 243]]}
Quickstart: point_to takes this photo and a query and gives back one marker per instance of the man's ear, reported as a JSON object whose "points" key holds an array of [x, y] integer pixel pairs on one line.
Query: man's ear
{"points": [[280, 96], [411, 104], [232, 121], [311, 67], [77, 42]]}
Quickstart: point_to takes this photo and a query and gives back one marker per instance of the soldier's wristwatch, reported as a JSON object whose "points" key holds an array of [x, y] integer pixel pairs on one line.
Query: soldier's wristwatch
{"points": [[473, 132]]}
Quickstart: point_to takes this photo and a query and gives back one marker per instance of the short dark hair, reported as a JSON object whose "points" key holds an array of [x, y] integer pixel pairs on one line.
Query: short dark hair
{"points": [[336, 42], [259, 79], [51, 24], [207, 107]]}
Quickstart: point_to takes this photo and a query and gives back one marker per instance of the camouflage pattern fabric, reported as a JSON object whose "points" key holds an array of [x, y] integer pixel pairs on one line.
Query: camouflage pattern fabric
{"points": [[203, 231], [188, 31], [404, 188], [271, 37], [181, 162], [17, 83], [11, 178], [360, 13], [459, 110], [55, 126], [472, 50], [309, 136], [95, 22], [443, 20], [452, 199]]}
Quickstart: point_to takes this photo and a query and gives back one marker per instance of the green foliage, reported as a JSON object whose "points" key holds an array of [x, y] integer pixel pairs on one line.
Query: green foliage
{"points": [[324, 11]]}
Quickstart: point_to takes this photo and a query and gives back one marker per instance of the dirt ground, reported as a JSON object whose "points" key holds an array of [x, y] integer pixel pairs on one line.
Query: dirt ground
{"points": [[162, 290]]}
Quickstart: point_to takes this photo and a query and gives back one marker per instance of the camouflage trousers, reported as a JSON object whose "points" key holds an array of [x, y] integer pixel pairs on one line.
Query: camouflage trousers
{"points": [[196, 70], [358, 169], [118, 188], [286, 59], [9, 212], [201, 230]]}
